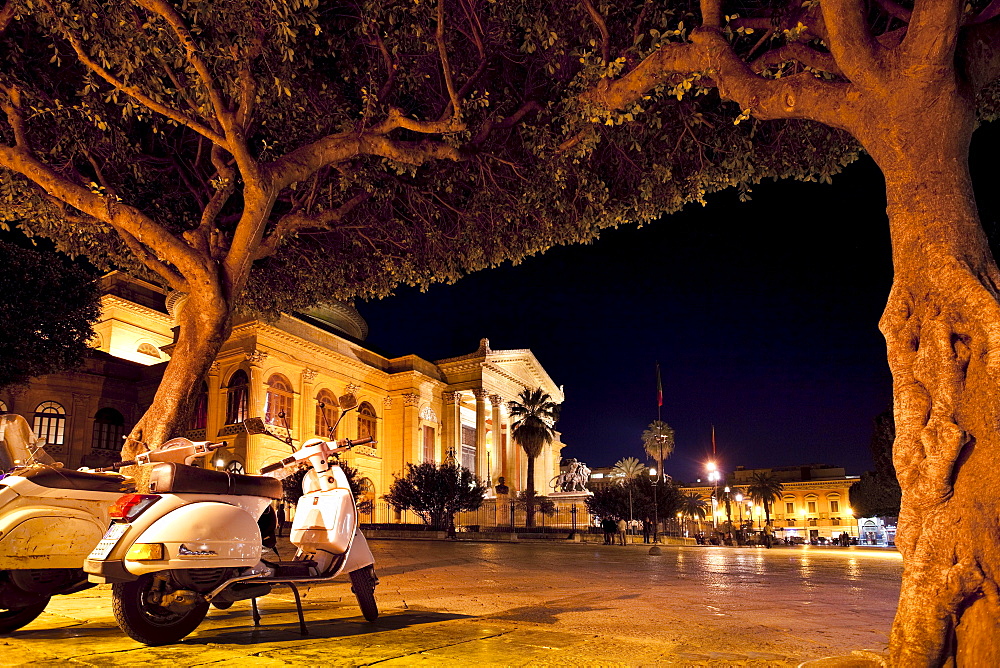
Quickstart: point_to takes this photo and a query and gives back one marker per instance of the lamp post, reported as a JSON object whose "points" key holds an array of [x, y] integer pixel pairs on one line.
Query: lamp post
{"points": [[713, 477], [739, 504]]}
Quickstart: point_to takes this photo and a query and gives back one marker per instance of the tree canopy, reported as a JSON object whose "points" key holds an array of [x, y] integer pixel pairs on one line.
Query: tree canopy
{"points": [[50, 306], [435, 492]]}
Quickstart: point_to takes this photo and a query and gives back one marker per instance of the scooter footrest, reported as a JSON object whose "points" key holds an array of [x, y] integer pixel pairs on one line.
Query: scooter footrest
{"points": [[292, 568]]}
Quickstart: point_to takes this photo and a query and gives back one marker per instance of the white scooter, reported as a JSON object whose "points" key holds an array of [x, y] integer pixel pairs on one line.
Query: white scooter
{"points": [[196, 541], [50, 520]]}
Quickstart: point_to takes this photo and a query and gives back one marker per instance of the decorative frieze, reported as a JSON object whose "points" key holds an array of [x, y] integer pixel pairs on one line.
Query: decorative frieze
{"points": [[387, 403], [411, 400], [256, 356], [452, 398], [309, 375], [352, 388]]}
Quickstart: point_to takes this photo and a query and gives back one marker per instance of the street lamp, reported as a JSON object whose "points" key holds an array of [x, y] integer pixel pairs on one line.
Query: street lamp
{"points": [[739, 504], [713, 477]]}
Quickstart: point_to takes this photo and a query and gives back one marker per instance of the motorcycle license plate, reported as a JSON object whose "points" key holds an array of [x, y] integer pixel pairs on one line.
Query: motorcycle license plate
{"points": [[103, 549]]}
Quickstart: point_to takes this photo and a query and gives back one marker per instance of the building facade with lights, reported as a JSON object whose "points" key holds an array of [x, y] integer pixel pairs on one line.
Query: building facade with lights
{"points": [[291, 372], [814, 502]]}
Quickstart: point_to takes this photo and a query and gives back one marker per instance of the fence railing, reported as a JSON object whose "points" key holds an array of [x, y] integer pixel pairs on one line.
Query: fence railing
{"points": [[490, 517]]}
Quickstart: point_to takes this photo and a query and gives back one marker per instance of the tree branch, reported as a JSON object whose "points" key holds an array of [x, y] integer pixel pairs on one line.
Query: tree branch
{"points": [[932, 35], [799, 52], [122, 217], [979, 54], [135, 93], [850, 40], [143, 254], [525, 109], [291, 223], [7, 14], [602, 28], [12, 108], [456, 104]]}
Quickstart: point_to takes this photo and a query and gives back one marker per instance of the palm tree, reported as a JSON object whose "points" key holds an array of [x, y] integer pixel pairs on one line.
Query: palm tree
{"points": [[694, 506], [534, 414], [658, 440], [629, 469], [765, 489], [728, 497]]}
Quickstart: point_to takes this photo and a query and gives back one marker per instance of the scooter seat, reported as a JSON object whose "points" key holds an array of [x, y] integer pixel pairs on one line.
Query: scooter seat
{"points": [[71, 479], [170, 478]]}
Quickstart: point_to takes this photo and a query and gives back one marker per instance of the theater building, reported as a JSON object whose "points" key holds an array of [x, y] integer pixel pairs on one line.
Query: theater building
{"points": [[291, 372]]}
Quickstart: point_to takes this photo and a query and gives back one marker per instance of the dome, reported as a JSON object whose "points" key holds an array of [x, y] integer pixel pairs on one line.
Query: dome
{"points": [[340, 316]]}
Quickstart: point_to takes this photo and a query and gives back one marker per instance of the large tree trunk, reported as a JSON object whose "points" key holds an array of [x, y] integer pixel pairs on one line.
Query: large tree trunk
{"points": [[204, 326], [529, 495], [942, 330]]}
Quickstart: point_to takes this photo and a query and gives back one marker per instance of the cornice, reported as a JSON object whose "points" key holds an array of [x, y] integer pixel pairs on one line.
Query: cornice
{"points": [[126, 305]]}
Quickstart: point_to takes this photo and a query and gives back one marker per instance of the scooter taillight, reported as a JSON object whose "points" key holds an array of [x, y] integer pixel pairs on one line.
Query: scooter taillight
{"points": [[130, 506]]}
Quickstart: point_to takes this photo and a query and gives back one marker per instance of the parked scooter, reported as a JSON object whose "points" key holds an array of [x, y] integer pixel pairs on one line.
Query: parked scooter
{"points": [[50, 520], [195, 541]]}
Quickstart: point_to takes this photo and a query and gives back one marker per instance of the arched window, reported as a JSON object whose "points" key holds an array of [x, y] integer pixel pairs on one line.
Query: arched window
{"points": [[3, 407], [278, 401], [109, 428], [50, 422], [148, 349], [237, 397], [327, 411], [199, 415], [235, 467], [366, 421]]}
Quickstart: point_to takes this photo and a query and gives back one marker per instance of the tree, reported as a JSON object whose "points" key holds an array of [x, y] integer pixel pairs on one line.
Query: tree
{"points": [[50, 307], [628, 468], [694, 506], [728, 497], [907, 83], [264, 155], [658, 441], [765, 489], [539, 503], [609, 501], [534, 415], [435, 492]]}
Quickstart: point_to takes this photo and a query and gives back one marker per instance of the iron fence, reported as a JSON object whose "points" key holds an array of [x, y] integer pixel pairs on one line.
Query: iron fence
{"points": [[492, 516]]}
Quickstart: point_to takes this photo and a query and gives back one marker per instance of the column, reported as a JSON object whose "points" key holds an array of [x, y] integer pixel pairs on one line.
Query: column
{"points": [[412, 438], [499, 452], [481, 464], [307, 406], [255, 408], [452, 441], [216, 406]]}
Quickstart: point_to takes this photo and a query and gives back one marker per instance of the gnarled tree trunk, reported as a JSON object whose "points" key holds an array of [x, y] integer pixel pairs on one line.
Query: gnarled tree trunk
{"points": [[204, 322], [942, 329]]}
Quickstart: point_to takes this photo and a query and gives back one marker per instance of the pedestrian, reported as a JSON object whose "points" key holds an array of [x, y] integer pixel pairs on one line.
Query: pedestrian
{"points": [[281, 517], [609, 527], [622, 528], [645, 531]]}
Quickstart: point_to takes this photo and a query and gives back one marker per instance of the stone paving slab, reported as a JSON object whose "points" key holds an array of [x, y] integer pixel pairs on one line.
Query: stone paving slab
{"points": [[447, 603]]}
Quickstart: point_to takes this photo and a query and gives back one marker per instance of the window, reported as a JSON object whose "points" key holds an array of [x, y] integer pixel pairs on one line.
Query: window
{"points": [[428, 444], [789, 508], [327, 411], [50, 422], [834, 506], [199, 415], [3, 407], [235, 467], [366, 421], [148, 349], [278, 401], [835, 521], [109, 428], [237, 397], [812, 507], [469, 448]]}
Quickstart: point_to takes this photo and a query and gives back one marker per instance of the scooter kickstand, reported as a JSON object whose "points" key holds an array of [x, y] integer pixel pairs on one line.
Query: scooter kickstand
{"points": [[298, 605], [256, 612]]}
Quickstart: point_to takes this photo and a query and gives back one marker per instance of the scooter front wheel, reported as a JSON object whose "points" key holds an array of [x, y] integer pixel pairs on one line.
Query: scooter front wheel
{"points": [[363, 583], [147, 622], [12, 619]]}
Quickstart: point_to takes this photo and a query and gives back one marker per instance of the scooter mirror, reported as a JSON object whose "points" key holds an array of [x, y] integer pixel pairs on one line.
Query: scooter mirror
{"points": [[255, 426], [347, 402]]}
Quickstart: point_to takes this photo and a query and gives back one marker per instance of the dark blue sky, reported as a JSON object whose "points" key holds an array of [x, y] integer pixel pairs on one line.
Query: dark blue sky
{"points": [[763, 316]]}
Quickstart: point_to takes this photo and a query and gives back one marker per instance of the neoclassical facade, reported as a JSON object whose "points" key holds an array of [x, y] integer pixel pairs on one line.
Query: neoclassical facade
{"points": [[293, 373]]}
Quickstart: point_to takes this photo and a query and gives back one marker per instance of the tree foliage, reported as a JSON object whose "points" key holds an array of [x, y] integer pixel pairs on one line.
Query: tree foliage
{"points": [[658, 441], [533, 416], [435, 492], [50, 306], [291, 486]]}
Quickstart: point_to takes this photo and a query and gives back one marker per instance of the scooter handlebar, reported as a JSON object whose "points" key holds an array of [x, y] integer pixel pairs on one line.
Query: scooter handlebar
{"points": [[278, 465]]}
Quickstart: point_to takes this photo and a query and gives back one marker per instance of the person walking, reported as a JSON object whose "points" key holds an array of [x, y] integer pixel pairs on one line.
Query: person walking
{"points": [[622, 528]]}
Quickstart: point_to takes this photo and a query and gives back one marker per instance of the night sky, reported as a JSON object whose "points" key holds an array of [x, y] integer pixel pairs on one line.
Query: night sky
{"points": [[763, 316]]}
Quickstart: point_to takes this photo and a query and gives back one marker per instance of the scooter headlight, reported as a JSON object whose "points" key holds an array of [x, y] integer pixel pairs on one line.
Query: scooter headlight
{"points": [[130, 506], [145, 552]]}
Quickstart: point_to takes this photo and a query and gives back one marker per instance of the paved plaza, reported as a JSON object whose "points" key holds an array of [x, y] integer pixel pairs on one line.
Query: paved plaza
{"points": [[524, 604]]}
